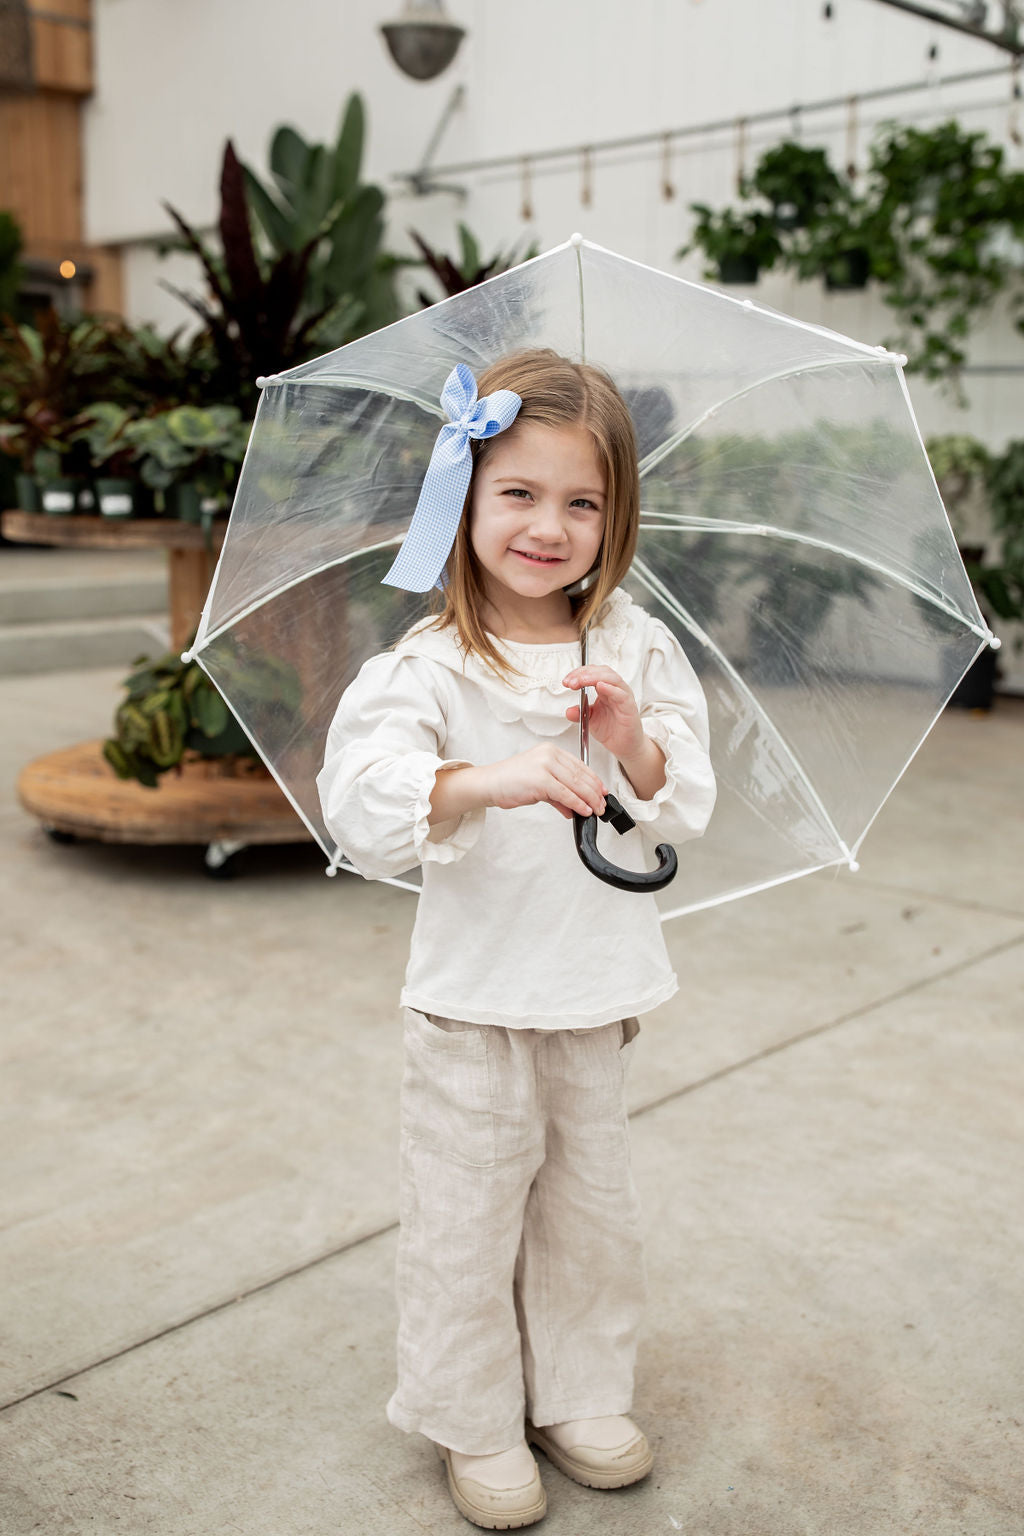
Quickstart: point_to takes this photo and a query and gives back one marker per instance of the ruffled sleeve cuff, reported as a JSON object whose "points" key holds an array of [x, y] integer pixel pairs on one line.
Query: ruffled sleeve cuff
{"points": [[446, 841], [681, 808]]}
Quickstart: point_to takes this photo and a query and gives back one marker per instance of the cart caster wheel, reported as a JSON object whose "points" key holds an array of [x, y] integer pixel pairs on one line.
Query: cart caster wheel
{"points": [[64, 839], [219, 862]]}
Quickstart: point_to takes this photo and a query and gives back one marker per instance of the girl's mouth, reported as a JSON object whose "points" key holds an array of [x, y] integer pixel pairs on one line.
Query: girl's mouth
{"points": [[538, 559]]}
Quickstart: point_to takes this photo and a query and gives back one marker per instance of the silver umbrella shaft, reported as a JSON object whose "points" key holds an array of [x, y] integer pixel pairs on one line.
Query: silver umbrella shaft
{"points": [[584, 701]]}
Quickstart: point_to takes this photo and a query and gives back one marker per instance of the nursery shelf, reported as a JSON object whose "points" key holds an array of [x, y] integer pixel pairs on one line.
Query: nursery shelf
{"points": [[76, 794]]}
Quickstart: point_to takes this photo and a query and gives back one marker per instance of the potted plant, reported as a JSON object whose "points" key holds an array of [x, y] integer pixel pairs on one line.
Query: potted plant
{"points": [[119, 491], [310, 277], [984, 496], [47, 377], [738, 246], [797, 181], [1003, 583], [940, 197], [173, 716], [191, 456]]}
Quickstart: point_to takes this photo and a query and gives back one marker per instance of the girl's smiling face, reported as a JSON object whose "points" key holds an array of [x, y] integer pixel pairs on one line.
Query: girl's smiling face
{"points": [[537, 514]]}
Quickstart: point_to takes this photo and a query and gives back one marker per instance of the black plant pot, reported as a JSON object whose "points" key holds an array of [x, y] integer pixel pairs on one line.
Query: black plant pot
{"points": [[976, 688], [848, 272], [26, 491], [119, 496], [738, 269]]}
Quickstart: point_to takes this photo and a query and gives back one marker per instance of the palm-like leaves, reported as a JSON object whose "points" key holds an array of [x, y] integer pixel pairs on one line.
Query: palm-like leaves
{"points": [[456, 276], [325, 279]]}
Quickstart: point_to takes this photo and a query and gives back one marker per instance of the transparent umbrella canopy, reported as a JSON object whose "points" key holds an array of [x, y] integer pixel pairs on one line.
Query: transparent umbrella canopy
{"points": [[792, 537]]}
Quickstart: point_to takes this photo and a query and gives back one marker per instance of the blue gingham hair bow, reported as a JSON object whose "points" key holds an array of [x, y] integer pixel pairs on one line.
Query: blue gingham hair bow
{"points": [[420, 562]]}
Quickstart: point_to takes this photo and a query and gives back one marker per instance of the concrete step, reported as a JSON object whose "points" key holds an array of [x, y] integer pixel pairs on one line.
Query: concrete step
{"points": [[76, 644], [44, 586]]}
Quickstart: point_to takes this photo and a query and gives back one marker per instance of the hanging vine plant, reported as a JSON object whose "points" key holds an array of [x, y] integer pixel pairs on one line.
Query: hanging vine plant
{"points": [[945, 213], [939, 226]]}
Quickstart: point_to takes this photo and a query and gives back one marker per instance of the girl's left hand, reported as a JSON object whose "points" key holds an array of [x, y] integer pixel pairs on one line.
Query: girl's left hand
{"points": [[614, 718]]}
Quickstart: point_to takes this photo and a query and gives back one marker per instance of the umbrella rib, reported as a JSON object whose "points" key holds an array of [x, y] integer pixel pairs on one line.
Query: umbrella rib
{"points": [[342, 862], [296, 581], [658, 589], [747, 890], [267, 763], [760, 530], [747, 304], [654, 458], [412, 397], [931, 724]]}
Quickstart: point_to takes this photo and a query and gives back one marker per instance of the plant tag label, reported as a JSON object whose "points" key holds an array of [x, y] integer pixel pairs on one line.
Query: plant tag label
{"points": [[59, 501], [116, 504]]}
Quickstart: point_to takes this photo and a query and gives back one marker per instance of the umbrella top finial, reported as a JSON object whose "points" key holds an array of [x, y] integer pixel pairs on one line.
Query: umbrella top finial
{"points": [[576, 239]]}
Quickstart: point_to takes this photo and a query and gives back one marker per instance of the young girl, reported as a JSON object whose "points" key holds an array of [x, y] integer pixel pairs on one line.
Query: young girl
{"points": [[520, 1271]]}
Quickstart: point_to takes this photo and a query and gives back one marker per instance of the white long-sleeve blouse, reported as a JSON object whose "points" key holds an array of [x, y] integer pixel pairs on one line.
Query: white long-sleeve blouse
{"points": [[511, 929]]}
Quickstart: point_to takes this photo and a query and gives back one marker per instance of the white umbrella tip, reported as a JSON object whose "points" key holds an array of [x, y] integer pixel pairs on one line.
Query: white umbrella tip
{"points": [[854, 866], [186, 657], [576, 239], [994, 642]]}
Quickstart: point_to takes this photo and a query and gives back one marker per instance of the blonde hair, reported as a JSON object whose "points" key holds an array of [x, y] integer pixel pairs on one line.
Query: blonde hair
{"points": [[555, 393]]}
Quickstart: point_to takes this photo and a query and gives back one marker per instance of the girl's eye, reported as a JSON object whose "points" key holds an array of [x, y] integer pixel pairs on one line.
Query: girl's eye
{"points": [[517, 491], [582, 501]]}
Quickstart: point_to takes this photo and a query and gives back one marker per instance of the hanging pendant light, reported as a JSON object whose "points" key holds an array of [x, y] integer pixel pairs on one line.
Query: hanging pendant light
{"points": [[423, 42]]}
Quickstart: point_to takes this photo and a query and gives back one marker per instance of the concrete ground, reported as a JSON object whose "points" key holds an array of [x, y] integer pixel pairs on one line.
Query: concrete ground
{"points": [[197, 1222]]}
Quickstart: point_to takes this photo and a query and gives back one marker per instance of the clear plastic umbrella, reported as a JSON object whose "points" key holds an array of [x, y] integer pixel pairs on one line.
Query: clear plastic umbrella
{"points": [[792, 537]]}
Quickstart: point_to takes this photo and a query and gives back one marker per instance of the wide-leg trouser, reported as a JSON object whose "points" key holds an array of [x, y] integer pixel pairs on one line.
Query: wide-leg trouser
{"points": [[520, 1272]]}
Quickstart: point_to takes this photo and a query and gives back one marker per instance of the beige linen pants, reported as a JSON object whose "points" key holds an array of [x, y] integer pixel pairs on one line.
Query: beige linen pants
{"points": [[520, 1272]]}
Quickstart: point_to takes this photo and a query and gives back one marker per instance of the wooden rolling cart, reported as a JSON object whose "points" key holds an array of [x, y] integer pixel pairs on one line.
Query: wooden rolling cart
{"points": [[75, 794]]}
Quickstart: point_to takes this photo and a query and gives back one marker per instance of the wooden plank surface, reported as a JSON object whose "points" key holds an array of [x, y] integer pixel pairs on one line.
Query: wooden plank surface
{"points": [[41, 165], [80, 532], [76, 791], [62, 46]]}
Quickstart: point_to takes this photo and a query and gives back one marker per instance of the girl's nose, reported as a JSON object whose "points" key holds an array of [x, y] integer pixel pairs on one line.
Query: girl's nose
{"points": [[546, 523]]}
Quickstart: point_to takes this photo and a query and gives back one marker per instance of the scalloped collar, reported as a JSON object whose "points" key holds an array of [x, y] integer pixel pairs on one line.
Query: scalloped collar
{"points": [[540, 667]]}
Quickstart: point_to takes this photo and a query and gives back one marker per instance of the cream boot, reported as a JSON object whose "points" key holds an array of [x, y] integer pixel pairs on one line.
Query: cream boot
{"points": [[502, 1492], [608, 1452]]}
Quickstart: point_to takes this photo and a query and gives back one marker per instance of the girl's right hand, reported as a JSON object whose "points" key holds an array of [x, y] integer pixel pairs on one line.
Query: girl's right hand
{"points": [[545, 775]]}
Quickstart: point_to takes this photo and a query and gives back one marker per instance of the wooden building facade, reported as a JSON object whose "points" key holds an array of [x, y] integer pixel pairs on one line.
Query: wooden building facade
{"points": [[45, 81]]}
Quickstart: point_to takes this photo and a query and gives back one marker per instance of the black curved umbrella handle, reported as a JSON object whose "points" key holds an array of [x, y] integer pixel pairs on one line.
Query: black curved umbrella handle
{"points": [[585, 833]]}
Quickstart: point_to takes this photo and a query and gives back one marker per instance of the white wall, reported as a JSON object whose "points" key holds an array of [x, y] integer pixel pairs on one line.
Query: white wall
{"points": [[175, 78]]}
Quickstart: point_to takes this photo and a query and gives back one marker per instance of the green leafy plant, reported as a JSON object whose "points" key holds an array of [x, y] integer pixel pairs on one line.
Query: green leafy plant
{"points": [[172, 713], [939, 225], [47, 378], [455, 275], [147, 371], [171, 708], [737, 245], [1002, 583], [324, 279], [797, 181], [943, 202], [315, 196], [103, 429], [189, 443], [984, 495]]}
